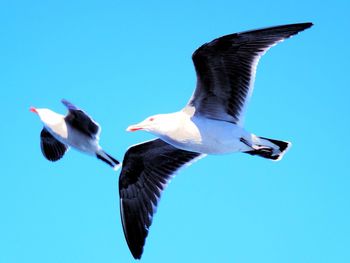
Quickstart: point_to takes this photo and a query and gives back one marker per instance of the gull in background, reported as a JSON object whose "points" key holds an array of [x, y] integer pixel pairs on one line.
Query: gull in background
{"points": [[77, 130], [210, 123]]}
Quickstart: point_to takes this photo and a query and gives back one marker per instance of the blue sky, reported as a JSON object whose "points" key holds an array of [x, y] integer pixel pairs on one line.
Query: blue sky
{"points": [[123, 61]]}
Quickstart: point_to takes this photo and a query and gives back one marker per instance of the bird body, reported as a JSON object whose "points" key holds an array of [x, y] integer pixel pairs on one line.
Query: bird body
{"points": [[76, 130], [79, 140], [199, 134]]}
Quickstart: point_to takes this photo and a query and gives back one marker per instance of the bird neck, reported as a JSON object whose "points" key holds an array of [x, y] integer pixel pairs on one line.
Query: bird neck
{"points": [[58, 126], [172, 124]]}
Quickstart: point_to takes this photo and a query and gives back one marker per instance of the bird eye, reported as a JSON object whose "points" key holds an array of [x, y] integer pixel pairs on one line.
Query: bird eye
{"points": [[151, 119]]}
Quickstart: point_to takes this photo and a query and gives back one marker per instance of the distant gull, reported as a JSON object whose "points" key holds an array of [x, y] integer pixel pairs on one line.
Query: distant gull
{"points": [[211, 123], [77, 130]]}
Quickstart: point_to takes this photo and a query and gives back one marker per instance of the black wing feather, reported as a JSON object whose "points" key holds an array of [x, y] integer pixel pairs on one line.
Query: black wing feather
{"points": [[52, 149], [147, 168], [226, 67], [79, 120]]}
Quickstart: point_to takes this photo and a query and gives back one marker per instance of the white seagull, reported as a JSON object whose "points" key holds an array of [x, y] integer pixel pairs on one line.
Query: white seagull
{"points": [[210, 123], [77, 130]]}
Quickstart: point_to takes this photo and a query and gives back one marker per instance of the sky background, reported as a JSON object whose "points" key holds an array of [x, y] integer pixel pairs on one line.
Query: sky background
{"points": [[122, 61]]}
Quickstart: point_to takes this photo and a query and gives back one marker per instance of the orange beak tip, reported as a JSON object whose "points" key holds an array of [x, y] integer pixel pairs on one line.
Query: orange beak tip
{"points": [[133, 128], [32, 109]]}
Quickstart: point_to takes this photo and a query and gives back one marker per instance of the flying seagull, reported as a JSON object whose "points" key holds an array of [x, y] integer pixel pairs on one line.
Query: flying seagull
{"points": [[77, 130], [210, 123]]}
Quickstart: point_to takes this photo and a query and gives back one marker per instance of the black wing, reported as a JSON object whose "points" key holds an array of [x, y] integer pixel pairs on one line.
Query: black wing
{"points": [[146, 170], [226, 68], [79, 120], [51, 148]]}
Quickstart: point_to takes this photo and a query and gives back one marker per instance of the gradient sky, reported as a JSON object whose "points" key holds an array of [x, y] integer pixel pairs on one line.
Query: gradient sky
{"points": [[122, 61]]}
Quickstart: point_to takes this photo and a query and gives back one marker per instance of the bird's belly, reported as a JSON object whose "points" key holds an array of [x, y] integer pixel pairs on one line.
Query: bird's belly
{"points": [[211, 137], [79, 141], [84, 143]]}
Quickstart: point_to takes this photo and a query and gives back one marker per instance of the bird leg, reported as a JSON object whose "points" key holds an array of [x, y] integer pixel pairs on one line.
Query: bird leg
{"points": [[256, 147]]}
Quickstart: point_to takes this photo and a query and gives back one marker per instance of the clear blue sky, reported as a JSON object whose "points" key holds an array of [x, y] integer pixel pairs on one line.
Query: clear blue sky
{"points": [[124, 60]]}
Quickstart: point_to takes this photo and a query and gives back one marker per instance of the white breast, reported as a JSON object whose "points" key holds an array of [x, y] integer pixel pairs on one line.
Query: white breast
{"points": [[60, 128], [208, 136]]}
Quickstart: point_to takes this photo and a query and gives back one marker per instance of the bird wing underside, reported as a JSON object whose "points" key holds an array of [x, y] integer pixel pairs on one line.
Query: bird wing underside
{"points": [[226, 69], [147, 168], [52, 149]]}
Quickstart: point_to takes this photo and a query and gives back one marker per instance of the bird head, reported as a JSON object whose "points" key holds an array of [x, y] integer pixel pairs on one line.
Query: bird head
{"points": [[146, 125], [47, 116], [156, 124]]}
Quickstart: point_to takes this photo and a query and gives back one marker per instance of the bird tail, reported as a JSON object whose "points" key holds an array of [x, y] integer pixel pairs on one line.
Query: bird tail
{"points": [[269, 148], [102, 155]]}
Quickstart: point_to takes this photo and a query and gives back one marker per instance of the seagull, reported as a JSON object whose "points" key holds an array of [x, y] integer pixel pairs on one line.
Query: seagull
{"points": [[210, 123], [77, 130]]}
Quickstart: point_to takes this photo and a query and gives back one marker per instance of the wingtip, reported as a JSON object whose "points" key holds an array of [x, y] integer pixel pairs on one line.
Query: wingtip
{"points": [[65, 102], [303, 26], [68, 104], [307, 25], [297, 27], [135, 251], [137, 256]]}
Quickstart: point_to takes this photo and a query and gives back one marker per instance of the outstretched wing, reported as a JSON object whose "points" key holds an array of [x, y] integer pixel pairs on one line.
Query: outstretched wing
{"points": [[52, 149], [79, 120], [226, 68], [147, 168]]}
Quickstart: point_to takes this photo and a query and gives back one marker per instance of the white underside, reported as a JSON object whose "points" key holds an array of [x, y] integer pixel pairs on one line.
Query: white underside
{"points": [[75, 139], [208, 136]]}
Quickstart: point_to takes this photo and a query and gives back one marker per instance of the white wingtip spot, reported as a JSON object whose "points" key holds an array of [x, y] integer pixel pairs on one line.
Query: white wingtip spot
{"points": [[283, 153], [116, 167]]}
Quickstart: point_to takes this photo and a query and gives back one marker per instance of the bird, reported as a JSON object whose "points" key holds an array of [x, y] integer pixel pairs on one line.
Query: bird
{"points": [[77, 130], [210, 123]]}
